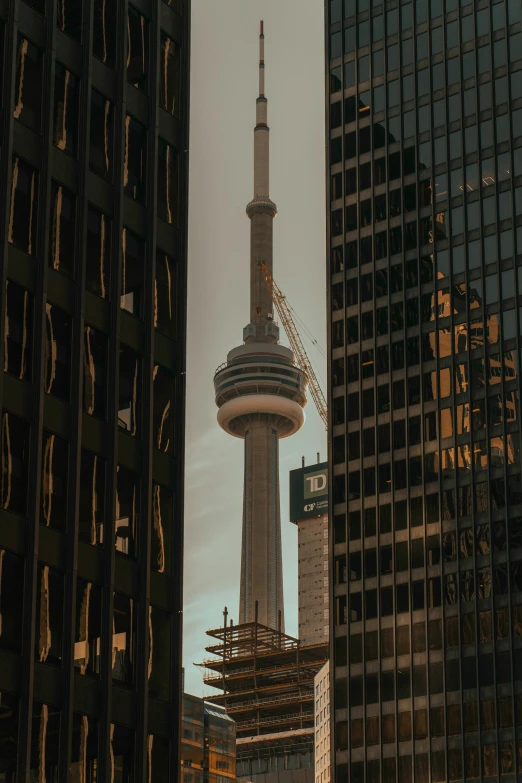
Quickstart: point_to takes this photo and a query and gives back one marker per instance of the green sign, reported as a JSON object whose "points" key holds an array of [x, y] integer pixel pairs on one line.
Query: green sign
{"points": [[308, 492]]}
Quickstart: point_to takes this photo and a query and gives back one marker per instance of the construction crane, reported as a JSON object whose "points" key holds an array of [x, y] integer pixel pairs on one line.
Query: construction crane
{"points": [[285, 314]]}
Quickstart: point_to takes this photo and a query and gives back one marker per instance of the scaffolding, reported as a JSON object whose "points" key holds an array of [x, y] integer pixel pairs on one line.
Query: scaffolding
{"points": [[265, 676]]}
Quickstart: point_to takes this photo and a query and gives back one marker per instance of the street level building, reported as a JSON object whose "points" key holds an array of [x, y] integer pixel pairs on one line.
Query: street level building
{"points": [[322, 725], [93, 202], [424, 161], [261, 394]]}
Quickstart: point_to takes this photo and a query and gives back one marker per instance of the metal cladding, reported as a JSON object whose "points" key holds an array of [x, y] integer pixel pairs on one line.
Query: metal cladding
{"points": [[261, 394]]}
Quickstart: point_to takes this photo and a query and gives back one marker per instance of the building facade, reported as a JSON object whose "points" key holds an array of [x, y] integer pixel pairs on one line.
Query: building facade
{"points": [[322, 752], [424, 161], [93, 202], [208, 743]]}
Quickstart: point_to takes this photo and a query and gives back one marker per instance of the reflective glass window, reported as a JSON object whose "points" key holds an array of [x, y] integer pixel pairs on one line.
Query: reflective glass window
{"points": [[8, 735], [15, 461], [164, 294], [45, 745], [11, 604], [62, 233], [129, 408], [24, 206], [102, 132], [127, 510], [49, 615], [57, 369], [104, 31], [159, 758], [98, 252], [87, 638], [94, 389], [160, 631], [163, 409], [137, 49], [132, 272], [170, 75], [167, 182], [55, 456], [65, 116], [92, 498], [134, 160], [18, 331], [28, 84], [123, 640], [84, 749], [69, 17]]}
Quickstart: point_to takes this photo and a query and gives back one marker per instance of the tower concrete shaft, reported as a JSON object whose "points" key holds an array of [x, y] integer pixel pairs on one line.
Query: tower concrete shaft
{"points": [[261, 394]]}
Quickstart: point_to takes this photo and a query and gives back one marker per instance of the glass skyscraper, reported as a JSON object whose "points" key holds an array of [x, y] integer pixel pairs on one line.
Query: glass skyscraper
{"points": [[424, 162], [93, 172]]}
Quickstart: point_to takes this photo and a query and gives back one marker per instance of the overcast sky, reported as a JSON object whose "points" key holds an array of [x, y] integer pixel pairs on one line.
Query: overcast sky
{"points": [[223, 92]]}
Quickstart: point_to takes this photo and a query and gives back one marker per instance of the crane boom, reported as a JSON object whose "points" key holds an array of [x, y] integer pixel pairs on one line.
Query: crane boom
{"points": [[285, 314]]}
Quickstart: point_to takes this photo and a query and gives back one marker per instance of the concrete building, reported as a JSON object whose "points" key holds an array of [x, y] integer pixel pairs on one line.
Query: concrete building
{"points": [[309, 511], [322, 725], [261, 394], [93, 203], [424, 161], [208, 743]]}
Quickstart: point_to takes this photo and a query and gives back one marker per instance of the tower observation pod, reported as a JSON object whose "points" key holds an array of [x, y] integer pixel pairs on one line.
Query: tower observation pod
{"points": [[261, 393]]}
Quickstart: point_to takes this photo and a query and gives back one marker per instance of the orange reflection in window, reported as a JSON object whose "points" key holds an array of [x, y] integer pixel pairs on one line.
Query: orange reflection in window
{"points": [[461, 337], [480, 454], [445, 382], [493, 329], [462, 419], [461, 378], [446, 423], [464, 457], [444, 343]]}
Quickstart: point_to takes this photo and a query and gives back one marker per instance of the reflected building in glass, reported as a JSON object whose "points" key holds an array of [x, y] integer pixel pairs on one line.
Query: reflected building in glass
{"points": [[94, 133], [424, 162]]}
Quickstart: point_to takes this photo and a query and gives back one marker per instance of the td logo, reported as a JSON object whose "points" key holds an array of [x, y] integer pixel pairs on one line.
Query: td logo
{"points": [[315, 484]]}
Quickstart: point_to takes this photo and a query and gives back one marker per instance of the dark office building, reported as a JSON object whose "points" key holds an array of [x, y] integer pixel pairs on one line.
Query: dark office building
{"points": [[93, 201], [424, 169]]}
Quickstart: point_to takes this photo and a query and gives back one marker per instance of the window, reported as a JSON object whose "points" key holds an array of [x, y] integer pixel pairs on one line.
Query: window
{"points": [[87, 637], [11, 603], [127, 510], [84, 749], [160, 653], [102, 131], [69, 17], [14, 466], [98, 252], [45, 756], [163, 404], [169, 97], [53, 510], [104, 33], [66, 93], [129, 390], [24, 206], [164, 294], [57, 351], [94, 372], [28, 84], [134, 162], [62, 229], [92, 498], [158, 758], [162, 528], [167, 182], [137, 49], [18, 332], [123, 641], [132, 272], [49, 615]]}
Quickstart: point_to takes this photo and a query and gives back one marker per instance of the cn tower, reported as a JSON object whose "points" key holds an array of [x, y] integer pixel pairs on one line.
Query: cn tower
{"points": [[261, 394]]}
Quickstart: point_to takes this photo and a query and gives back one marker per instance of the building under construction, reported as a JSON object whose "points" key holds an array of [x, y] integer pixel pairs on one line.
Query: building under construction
{"points": [[267, 683]]}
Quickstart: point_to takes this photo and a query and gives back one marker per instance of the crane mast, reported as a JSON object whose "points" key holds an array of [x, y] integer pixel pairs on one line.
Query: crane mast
{"points": [[294, 338]]}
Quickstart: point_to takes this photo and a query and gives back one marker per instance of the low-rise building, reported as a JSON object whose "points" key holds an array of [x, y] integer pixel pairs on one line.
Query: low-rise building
{"points": [[322, 725], [208, 743]]}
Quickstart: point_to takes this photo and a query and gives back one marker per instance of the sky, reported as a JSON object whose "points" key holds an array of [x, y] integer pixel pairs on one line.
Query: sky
{"points": [[224, 87]]}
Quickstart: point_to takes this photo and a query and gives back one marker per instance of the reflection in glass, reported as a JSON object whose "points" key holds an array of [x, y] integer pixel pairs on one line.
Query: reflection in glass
{"points": [[98, 252], [28, 84], [62, 229], [45, 744], [162, 528], [18, 331], [84, 750], [134, 160], [15, 460], [101, 140], [49, 615], [169, 97], [92, 498], [123, 642], [24, 206], [57, 351], [159, 653], [132, 272], [137, 49], [69, 17], [53, 510], [164, 294], [129, 390], [65, 119], [94, 372], [127, 510], [11, 603], [162, 416], [8, 735], [158, 761], [167, 182], [88, 628], [104, 31]]}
